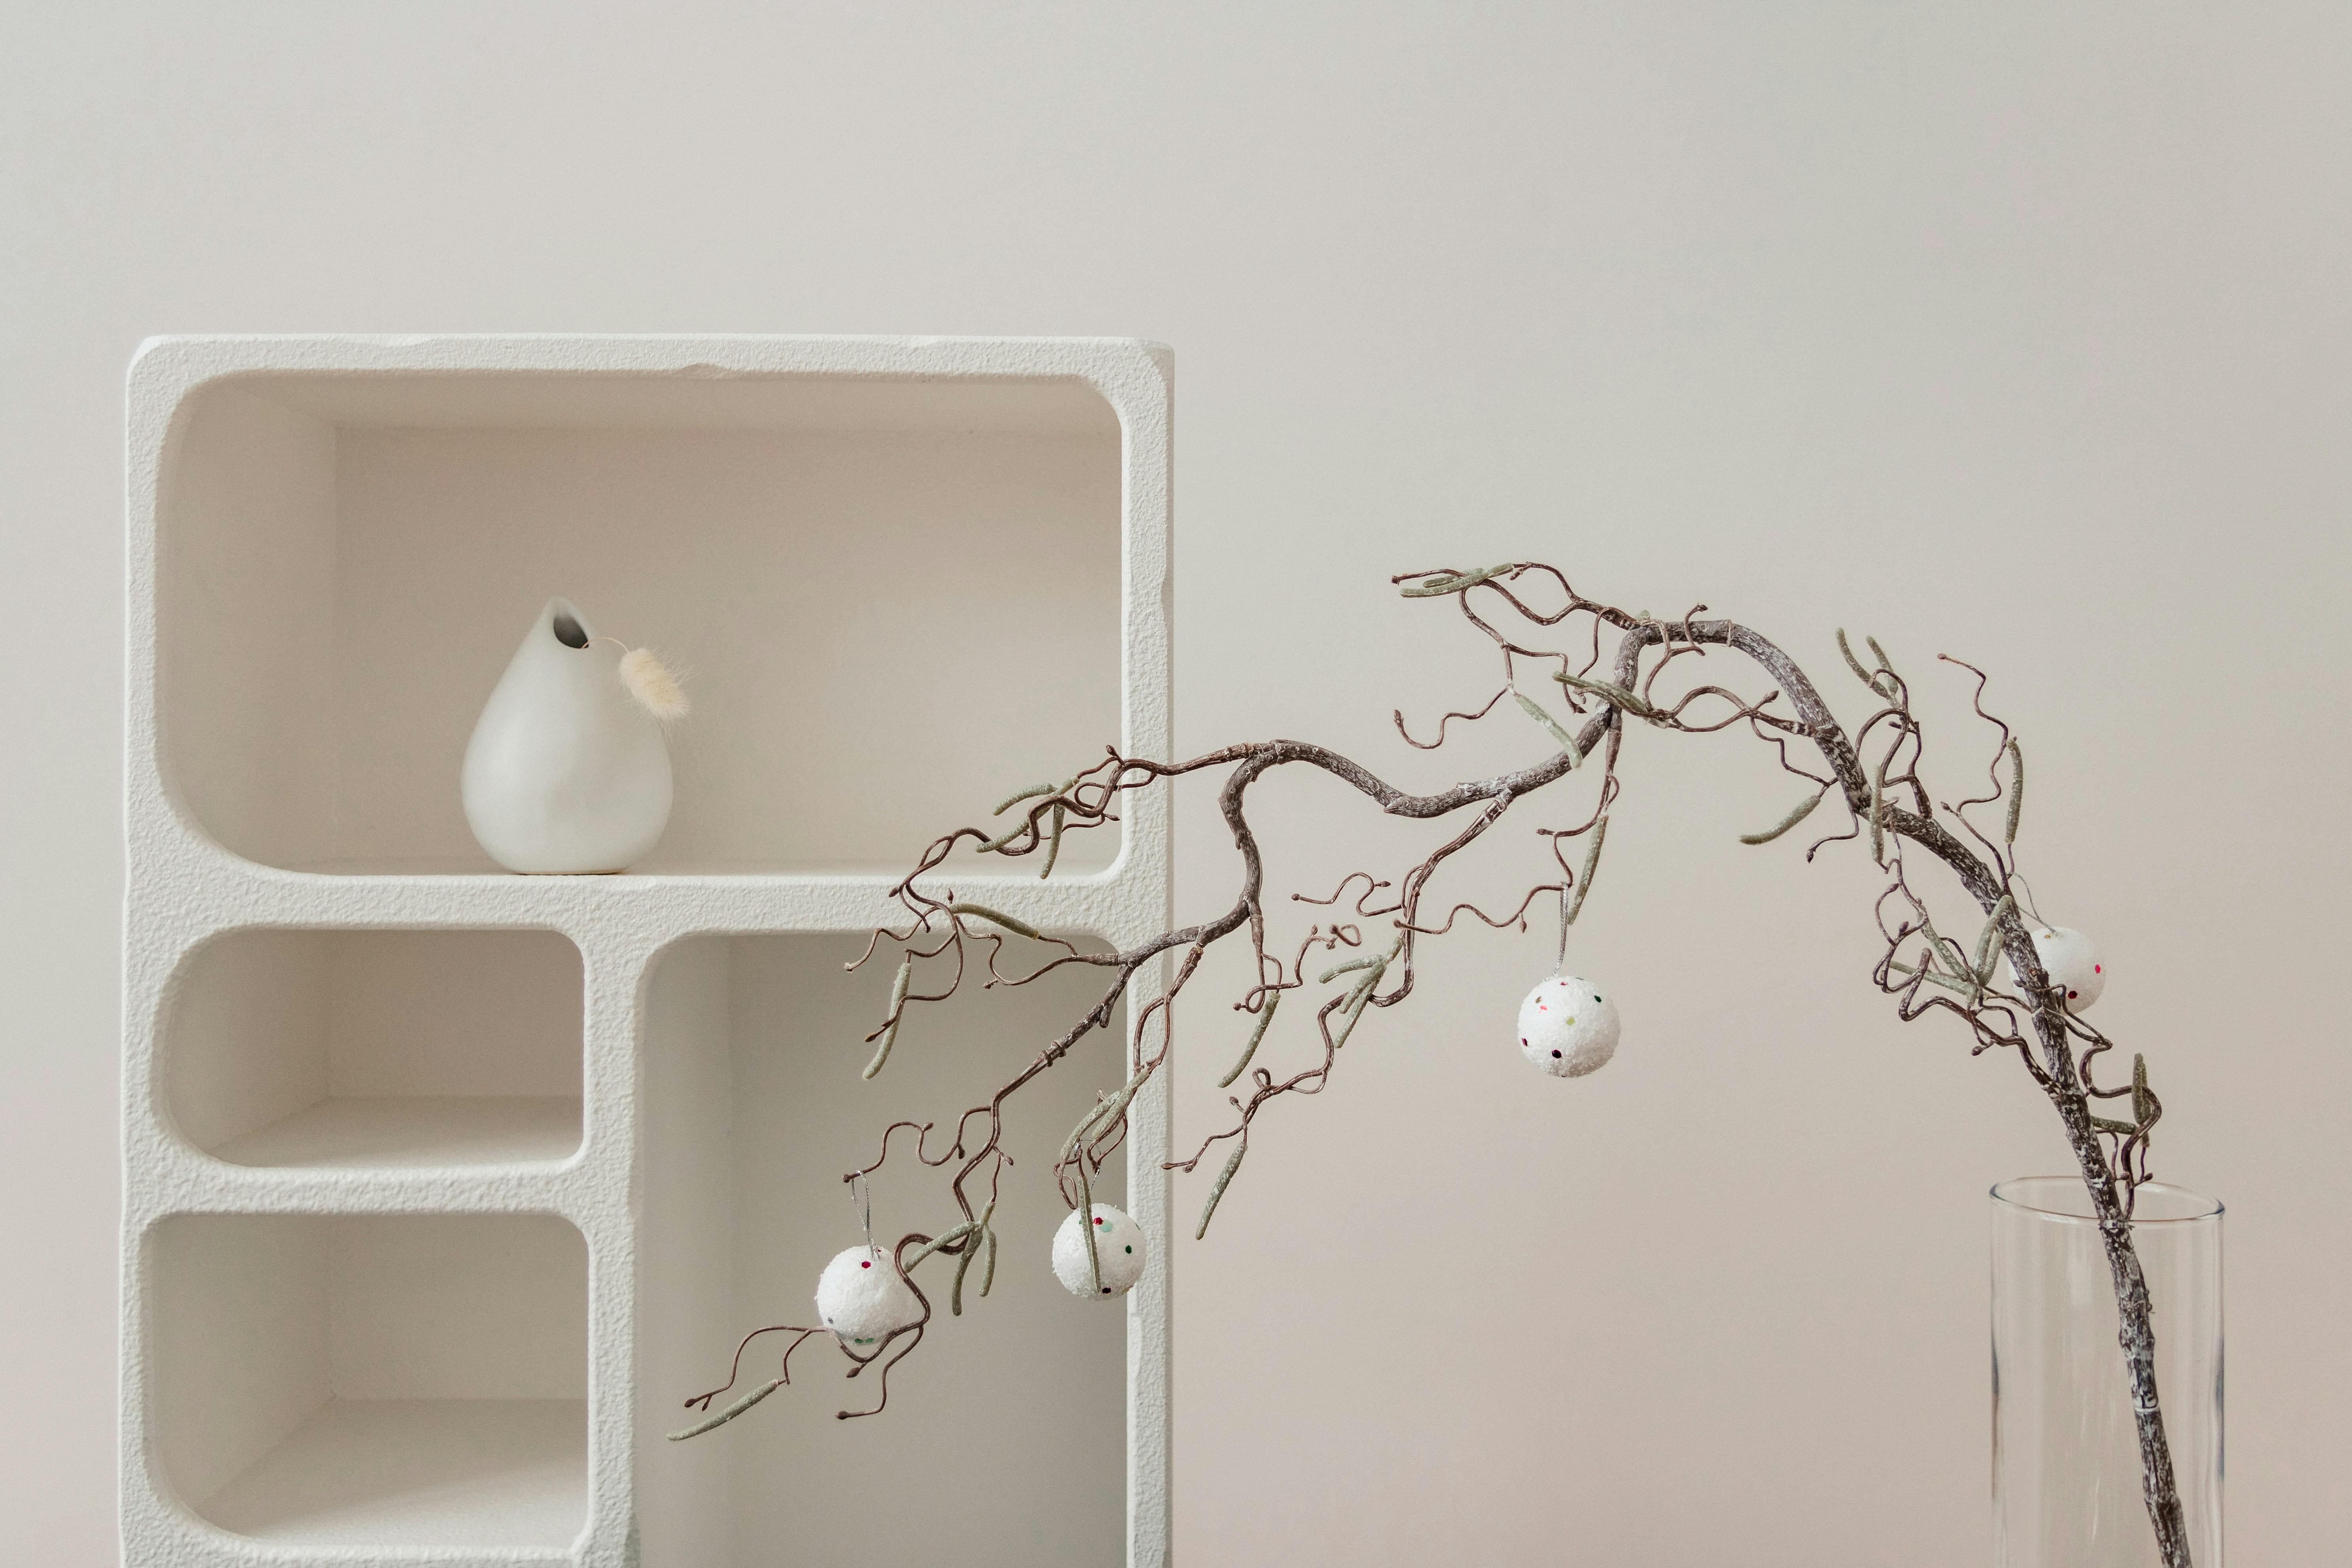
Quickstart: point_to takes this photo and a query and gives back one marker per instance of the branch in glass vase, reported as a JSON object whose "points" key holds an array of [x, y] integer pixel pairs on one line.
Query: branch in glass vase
{"points": [[2016, 982]]}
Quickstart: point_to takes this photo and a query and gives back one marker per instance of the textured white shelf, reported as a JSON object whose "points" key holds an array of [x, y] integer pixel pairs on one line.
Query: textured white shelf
{"points": [[425, 1131], [419, 1472], [417, 1155], [476, 869]]}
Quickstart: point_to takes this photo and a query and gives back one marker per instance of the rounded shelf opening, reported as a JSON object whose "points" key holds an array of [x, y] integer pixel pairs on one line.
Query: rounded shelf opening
{"points": [[872, 585], [378, 1049]]}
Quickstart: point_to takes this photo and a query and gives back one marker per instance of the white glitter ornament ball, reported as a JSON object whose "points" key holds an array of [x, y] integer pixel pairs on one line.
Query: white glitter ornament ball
{"points": [[1120, 1253], [861, 1298], [1567, 1027], [2072, 962]]}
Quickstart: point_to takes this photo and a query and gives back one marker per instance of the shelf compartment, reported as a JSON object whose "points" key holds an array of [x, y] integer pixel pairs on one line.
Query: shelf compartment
{"points": [[379, 1048], [871, 581], [365, 1380], [1006, 1429], [419, 1472]]}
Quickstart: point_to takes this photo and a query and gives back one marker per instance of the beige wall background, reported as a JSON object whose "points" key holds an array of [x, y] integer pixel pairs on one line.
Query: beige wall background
{"points": [[2018, 335]]}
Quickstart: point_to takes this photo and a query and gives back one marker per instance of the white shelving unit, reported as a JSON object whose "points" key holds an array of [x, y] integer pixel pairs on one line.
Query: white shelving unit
{"points": [[444, 1187]]}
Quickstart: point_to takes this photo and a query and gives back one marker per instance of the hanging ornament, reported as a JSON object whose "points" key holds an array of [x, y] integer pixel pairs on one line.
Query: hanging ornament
{"points": [[1566, 1027], [2071, 962], [1120, 1253], [861, 1298]]}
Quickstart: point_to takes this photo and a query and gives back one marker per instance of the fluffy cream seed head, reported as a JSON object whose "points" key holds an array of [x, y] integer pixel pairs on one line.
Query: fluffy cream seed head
{"points": [[649, 680]]}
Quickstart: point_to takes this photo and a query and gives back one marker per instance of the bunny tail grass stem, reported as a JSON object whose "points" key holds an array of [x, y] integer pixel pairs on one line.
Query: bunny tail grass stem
{"points": [[658, 691]]}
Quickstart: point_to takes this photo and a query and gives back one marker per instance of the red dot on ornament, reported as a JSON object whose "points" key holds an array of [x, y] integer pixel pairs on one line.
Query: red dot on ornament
{"points": [[2072, 994], [2096, 970], [869, 1264], [1098, 1219]]}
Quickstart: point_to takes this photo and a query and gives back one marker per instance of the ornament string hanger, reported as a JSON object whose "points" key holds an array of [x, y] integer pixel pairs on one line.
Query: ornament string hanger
{"points": [[861, 1199], [2032, 908]]}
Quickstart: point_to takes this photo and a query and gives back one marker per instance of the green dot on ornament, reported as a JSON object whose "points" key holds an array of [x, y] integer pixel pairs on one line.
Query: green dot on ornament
{"points": [[1130, 1249]]}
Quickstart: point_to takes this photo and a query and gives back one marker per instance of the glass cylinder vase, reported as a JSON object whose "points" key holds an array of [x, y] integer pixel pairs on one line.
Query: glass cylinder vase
{"points": [[2066, 1475]]}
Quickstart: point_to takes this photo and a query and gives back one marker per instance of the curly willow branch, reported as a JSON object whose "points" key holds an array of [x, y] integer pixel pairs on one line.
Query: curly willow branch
{"points": [[1531, 613]]}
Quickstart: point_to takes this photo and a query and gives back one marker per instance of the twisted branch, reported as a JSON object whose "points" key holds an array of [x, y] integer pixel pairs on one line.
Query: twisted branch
{"points": [[1874, 772]]}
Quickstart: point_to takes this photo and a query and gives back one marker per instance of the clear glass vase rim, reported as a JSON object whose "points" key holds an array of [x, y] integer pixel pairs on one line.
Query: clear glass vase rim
{"points": [[2010, 1195]]}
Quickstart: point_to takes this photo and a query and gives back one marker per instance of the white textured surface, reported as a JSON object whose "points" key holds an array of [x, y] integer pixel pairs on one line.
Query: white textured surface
{"points": [[1122, 1253], [2071, 961], [186, 890], [1567, 1027], [446, 1129], [418, 1472]]}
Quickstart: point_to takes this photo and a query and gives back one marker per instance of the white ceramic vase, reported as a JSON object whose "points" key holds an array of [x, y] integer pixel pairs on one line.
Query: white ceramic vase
{"points": [[566, 771]]}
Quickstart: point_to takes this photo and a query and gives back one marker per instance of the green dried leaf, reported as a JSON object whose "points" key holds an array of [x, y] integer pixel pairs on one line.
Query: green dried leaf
{"points": [[1617, 696], [1217, 1193], [1265, 1018], [1017, 797], [963, 1263], [1804, 809], [1535, 710], [1433, 587], [1053, 849], [1086, 1229], [2016, 787], [897, 1013], [1877, 688], [1584, 879], [982, 911], [731, 1412], [941, 1243]]}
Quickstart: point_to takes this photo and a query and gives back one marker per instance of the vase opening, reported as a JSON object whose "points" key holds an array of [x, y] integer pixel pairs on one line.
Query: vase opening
{"points": [[2067, 1462], [568, 631], [2064, 1199]]}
